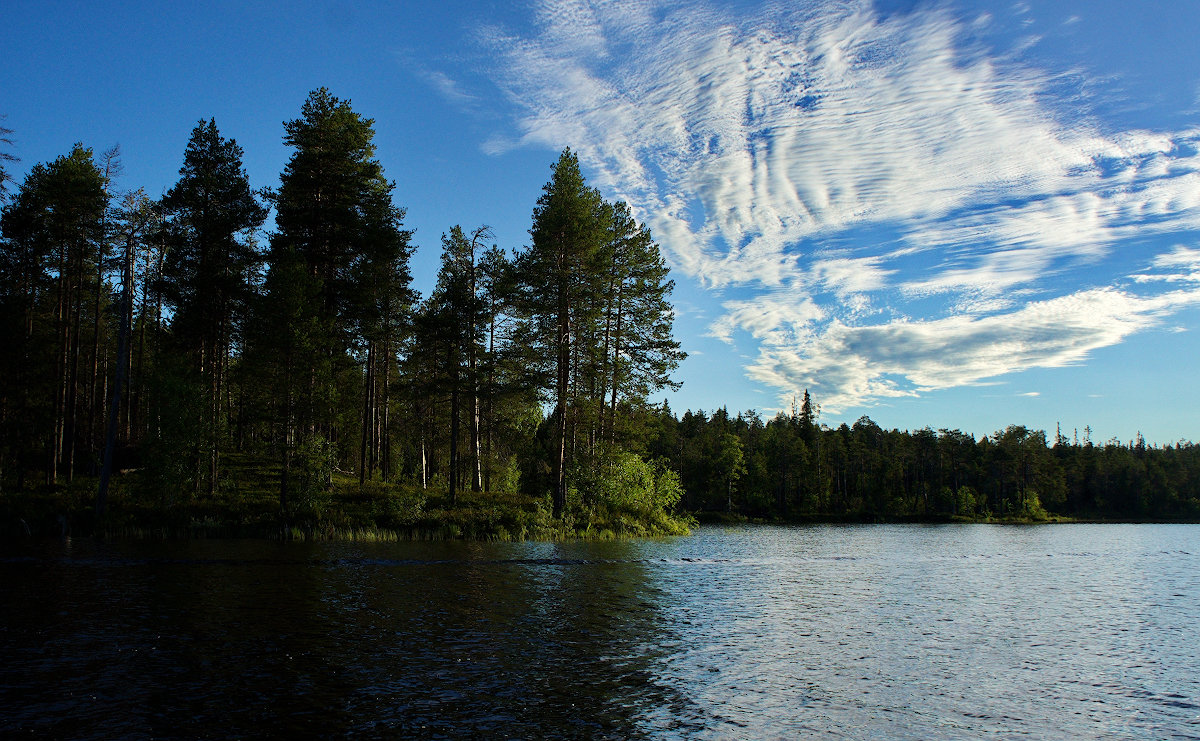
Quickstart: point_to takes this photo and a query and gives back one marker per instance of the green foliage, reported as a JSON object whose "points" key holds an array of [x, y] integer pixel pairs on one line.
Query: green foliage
{"points": [[967, 503], [211, 261], [507, 478], [306, 387], [591, 294], [169, 456], [311, 481], [1031, 508], [623, 482], [336, 293], [397, 508], [53, 318], [863, 472]]}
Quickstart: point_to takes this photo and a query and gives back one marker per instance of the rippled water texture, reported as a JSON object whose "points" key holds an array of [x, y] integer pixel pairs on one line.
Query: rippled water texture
{"points": [[1075, 631]]}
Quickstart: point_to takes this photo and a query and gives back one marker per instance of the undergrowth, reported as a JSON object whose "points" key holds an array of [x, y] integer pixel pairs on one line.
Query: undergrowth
{"points": [[246, 504]]}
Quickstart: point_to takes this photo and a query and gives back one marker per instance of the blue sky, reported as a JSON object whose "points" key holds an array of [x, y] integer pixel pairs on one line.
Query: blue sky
{"points": [[953, 214]]}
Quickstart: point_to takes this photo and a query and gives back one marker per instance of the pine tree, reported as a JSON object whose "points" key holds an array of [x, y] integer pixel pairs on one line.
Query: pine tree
{"points": [[279, 372], [382, 310], [26, 330], [639, 350], [135, 218], [340, 238], [53, 232], [210, 273], [454, 321], [5, 177], [561, 286]]}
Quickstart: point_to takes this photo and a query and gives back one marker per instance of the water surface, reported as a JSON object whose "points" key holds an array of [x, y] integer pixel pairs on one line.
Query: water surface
{"points": [[1074, 631]]}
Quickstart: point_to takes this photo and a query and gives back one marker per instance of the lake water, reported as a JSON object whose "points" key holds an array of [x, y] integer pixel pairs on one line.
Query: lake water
{"points": [[860, 632]]}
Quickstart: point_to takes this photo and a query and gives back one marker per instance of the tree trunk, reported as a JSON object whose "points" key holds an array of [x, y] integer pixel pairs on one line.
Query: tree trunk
{"points": [[72, 434], [93, 397], [114, 407], [616, 365], [452, 474], [489, 416], [424, 462], [385, 437], [367, 414], [564, 369]]}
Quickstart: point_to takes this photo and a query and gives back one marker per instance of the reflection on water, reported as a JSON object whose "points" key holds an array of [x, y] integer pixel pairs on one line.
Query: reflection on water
{"points": [[857, 632]]}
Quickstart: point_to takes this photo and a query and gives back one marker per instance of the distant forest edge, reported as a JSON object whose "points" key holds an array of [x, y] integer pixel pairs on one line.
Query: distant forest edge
{"points": [[170, 369]]}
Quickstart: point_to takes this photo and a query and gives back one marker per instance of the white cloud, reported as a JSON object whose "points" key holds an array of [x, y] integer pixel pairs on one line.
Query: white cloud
{"points": [[571, 28], [855, 365], [1181, 265], [449, 88], [846, 276], [785, 127], [1180, 257], [775, 319], [750, 144], [1004, 246]]}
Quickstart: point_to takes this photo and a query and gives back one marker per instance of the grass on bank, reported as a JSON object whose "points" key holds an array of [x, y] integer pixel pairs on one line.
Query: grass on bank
{"points": [[246, 504]]}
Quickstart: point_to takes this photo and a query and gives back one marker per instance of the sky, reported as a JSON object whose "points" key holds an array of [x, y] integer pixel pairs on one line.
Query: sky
{"points": [[960, 215]]}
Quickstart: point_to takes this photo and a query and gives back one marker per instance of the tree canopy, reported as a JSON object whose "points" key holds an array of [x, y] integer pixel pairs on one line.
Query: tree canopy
{"points": [[169, 339]]}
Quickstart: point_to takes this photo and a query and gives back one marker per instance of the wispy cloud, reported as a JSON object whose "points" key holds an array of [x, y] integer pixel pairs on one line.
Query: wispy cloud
{"points": [[449, 88], [844, 164], [1181, 265], [907, 357]]}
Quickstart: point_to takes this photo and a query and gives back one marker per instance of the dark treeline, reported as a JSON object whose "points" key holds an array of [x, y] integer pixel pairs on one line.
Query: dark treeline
{"points": [[171, 337], [792, 467]]}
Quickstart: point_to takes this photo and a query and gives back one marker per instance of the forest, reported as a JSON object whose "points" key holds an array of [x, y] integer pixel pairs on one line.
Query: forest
{"points": [[172, 367], [791, 467]]}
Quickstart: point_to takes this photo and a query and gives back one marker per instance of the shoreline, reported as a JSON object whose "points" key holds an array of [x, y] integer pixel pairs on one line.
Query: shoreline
{"points": [[477, 518]]}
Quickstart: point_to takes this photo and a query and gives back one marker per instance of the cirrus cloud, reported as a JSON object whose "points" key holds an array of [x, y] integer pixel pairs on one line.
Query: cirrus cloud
{"points": [[851, 168]]}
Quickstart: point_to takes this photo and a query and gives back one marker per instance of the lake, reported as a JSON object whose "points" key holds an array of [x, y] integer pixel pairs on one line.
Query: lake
{"points": [[858, 632]]}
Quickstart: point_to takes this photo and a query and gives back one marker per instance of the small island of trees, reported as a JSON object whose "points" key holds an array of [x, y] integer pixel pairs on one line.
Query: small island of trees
{"points": [[168, 371]]}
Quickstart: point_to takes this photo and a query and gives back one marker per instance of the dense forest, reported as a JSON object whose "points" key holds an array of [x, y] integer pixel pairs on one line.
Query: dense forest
{"points": [[168, 362], [792, 467]]}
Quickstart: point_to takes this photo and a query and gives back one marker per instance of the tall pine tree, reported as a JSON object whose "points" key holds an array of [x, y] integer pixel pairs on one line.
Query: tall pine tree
{"points": [[210, 273], [53, 233], [561, 283], [454, 322], [337, 288], [639, 348]]}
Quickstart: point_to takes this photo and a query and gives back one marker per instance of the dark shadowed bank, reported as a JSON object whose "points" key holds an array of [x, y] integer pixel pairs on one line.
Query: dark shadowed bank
{"points": [[249, 508]]}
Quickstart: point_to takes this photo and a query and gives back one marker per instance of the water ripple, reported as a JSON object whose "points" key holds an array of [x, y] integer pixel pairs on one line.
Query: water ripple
{"points": [[904, 632]]}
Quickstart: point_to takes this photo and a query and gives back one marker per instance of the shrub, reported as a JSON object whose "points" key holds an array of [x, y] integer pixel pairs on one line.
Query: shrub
{"points": [[623, 482]]}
